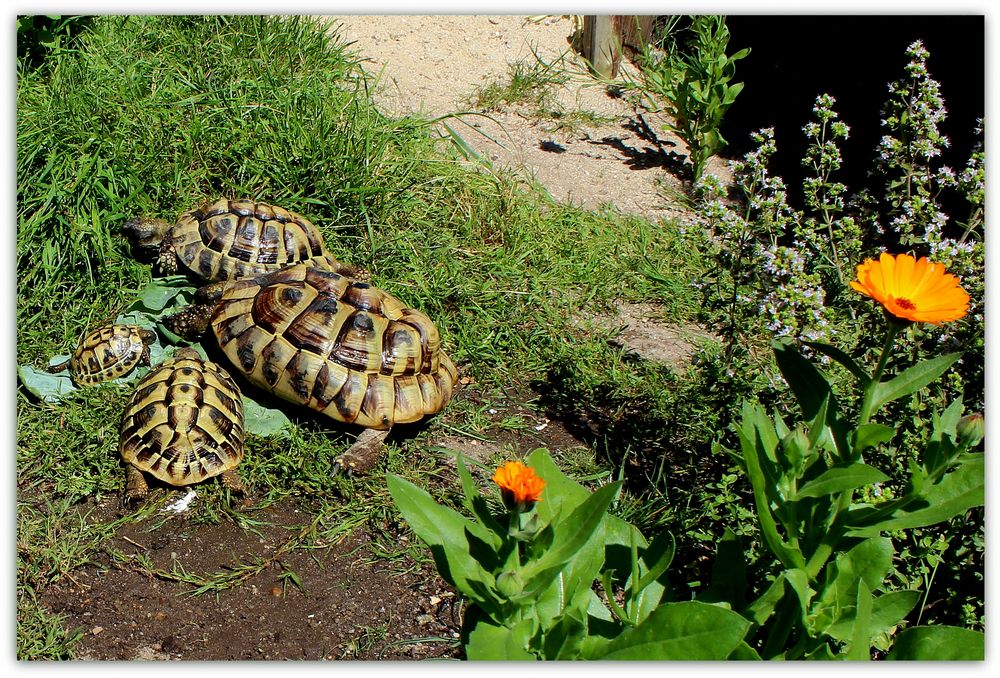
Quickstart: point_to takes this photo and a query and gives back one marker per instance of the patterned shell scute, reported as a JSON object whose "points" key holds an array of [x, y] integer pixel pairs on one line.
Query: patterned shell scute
{"points": [[184, 423], [107, 353], [336, 345], [239, 238]]}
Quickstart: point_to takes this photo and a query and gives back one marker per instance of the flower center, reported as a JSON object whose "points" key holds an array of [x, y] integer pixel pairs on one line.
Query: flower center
{"points": [[906, 304]]}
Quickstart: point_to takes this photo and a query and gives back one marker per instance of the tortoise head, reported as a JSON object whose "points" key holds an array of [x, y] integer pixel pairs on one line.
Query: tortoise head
{"points": [[146, 235]]}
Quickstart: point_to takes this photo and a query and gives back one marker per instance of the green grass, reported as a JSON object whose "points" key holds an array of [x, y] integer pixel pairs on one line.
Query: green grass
{"points": [[151, 115]]}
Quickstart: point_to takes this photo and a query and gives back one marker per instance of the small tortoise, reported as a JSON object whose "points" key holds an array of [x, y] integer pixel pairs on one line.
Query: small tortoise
{"points": [[108, 353], [331, 343], [183, 425], [230, 239]]}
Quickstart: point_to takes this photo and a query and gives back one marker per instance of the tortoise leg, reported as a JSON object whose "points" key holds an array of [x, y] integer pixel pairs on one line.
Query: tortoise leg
{"points": [[231, 479], [58, 367], [363, 454], [167, 262], [135, 485], [192, 322]]}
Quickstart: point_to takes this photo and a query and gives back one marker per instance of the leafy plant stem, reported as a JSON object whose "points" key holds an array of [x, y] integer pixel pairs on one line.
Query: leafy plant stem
{"points": [[869, 394]]}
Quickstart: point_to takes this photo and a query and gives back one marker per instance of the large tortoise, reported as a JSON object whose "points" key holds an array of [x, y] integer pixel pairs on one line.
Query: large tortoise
{"points": [[329, 342], [183, 425], [229, 239], [109, 352]]}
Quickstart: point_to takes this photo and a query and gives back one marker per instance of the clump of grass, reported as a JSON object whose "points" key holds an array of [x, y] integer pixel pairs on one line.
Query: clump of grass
{"points": [[528, 83]]}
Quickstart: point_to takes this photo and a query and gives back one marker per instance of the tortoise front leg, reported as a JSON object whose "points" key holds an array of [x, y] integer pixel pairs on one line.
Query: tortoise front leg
{"points": [[135, 484], [167, 262], [363, 454], [231, 479]]}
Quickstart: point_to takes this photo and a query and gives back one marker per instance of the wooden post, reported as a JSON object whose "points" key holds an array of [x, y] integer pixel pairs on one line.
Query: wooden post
{"points": [[604, 37]]}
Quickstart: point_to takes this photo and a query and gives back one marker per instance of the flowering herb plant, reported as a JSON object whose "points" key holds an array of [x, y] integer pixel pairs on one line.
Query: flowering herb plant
{"points": [[830, 596]]}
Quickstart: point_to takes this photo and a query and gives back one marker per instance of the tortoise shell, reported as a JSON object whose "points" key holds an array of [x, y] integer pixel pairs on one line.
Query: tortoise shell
{"points": [[108, 353], [336, 345], [185, 421], [230, 239]]}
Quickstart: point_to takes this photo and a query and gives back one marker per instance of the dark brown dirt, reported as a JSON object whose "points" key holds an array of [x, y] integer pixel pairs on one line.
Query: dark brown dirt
{"points": [[351, 604]]}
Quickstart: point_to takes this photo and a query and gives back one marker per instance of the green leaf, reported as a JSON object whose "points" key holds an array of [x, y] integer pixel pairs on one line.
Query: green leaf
{"points": [[939, 643], [48, 387], [956, 493], [743, 652], [807, 383], [564, 639], [264, 421], [788, 555], [841, 478], [760, 610], [161, 293], [476, 505], [729, 580], [869, 435], [450, 536], [912, 379], [488, 641], [868, 562], [860, 633], [682, 631], [571, 535], [845, 360], [887, 611]]}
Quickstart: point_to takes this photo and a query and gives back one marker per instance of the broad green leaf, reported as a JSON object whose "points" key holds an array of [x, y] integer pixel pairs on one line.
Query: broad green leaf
{"points": [[683, 631], [939, 643], [489, 642], [789, 556], [560, 491], [760, 610], [564, 638], [860, 632], [433, 523], [451, 540], [956, 493], [162, 293], [48, 387], [264, 421], [912, 379], [798, 581], [572, 533], [869, 435], [743, 652], [807, 383], [887, 611], [869, 561], [729, 580], [476, 505], [845, 360], [841, 478]]}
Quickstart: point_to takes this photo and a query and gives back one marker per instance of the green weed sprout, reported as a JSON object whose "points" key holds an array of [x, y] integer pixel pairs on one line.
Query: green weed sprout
{"points": [[696, 88]]}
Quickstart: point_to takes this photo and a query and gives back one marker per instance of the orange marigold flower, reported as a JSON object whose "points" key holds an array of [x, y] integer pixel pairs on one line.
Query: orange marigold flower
{"points": [[912, 289], [519, 485]]}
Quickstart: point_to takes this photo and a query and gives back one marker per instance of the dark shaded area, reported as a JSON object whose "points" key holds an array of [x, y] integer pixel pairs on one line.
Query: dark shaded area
{"points": [[793, 59]]}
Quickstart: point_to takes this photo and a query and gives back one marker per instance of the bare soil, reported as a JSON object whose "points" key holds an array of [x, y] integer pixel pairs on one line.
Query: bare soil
{"points": [[351, 604]]}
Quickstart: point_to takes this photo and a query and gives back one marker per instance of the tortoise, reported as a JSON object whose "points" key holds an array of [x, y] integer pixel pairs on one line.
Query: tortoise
{"points": [[229, 239], [108, 353], [183, 425], [334, 344]]}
